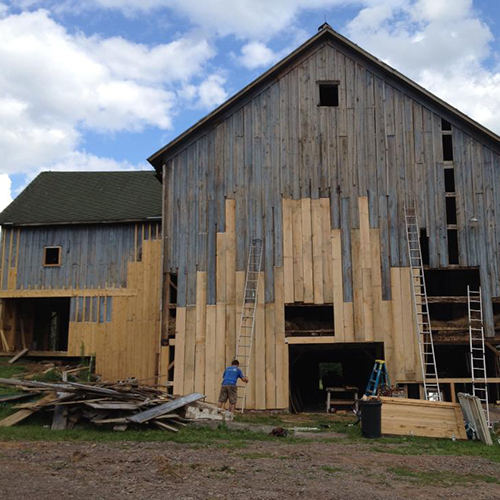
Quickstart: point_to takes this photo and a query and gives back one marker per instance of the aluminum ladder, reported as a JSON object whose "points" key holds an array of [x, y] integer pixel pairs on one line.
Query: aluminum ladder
{"points": [[477, 351], [247, 325], [421, 307]]}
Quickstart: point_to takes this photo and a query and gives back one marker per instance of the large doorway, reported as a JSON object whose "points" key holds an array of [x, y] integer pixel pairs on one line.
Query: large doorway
{"points": [[314, 367], [40, 324]]}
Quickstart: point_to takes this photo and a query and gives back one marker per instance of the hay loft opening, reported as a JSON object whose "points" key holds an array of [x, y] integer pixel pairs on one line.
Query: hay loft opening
{"points": [[314, 368], [309, 320], [328, 93], [447, 296], [451, 282]]}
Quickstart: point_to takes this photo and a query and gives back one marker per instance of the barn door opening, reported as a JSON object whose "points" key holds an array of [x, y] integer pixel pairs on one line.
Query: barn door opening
{"points": [[314, 368], [40, 324], [51, 324]]}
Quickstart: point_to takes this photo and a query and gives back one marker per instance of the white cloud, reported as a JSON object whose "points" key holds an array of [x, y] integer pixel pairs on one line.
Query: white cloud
{"points": [[211, 92], [442, 48], [54, 86], [253, 19], [257, 54], [5, 191], [83, 161]]}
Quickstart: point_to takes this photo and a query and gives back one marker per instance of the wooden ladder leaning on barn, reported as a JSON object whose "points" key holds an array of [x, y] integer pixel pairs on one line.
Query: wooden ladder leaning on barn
{"points": [[477, 351], [247, 325], [421, 307]]}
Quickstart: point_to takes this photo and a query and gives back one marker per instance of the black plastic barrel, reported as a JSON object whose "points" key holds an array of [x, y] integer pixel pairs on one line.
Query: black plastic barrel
{"points": [[371, 418]]}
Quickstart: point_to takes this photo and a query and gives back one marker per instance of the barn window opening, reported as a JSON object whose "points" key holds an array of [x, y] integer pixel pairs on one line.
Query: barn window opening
{"points": [[328, 94], [309, 320], [424, 246], [451, 282], [52, 256], [452, 246], [449, 180], [447, 147], [445, 125], [451, 210]]}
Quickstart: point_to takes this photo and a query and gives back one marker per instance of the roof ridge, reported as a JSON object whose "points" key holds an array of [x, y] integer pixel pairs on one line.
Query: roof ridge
{"points": [[325, 31]]}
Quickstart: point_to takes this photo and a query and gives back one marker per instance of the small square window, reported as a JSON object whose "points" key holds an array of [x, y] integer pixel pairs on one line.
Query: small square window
{"points": [[328, 94], [51, 256]]}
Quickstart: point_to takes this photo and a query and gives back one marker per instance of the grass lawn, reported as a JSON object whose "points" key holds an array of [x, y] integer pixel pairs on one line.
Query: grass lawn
{"points": [[37, 428]]}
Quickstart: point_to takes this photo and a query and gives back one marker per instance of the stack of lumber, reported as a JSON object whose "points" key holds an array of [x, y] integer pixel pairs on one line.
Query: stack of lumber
{"points": [[416, 417], [119, 405]]}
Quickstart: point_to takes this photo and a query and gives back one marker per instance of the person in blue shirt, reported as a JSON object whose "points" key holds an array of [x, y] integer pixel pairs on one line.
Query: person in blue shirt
{"points": [[228, 389]]}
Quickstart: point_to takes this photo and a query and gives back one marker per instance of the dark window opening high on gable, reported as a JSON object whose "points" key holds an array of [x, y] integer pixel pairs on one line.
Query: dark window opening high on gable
{"points": [[451, 210], [447, 148], [445, 125], [449, 180], [452, 246], [52, 256], [328, 94]]}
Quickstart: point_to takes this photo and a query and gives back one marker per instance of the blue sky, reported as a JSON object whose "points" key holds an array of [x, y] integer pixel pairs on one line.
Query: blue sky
{"points": [[103, 84]]}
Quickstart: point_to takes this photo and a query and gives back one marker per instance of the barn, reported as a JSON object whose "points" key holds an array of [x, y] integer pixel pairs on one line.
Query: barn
{"points": [[80, 271], [319, 161]]}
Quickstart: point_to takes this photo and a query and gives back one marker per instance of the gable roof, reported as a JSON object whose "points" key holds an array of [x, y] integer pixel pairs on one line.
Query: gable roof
{"points": [[325, 33], [86, 197]]}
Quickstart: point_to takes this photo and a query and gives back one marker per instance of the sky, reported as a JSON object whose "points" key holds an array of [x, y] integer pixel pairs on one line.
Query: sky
{"points": [[103, 84]]}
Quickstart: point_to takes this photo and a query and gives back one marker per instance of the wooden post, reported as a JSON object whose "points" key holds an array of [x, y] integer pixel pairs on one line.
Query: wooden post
{"points": [[453, 393]]}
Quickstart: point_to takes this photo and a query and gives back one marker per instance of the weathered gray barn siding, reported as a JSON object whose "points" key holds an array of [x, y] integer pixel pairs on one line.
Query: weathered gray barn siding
{"points": [[383, 141], [93, 256]]}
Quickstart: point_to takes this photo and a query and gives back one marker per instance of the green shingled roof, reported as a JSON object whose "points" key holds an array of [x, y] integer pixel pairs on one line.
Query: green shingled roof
{"points": [[86, 197]]}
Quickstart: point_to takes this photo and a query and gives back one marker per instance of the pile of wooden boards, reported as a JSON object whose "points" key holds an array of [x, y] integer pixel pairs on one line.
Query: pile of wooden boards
{"points": [[416, 417], [120, 405]]}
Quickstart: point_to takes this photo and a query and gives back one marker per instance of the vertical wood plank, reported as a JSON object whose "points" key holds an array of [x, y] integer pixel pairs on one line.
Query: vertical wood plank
{"points": [[338, 293], [298, 267], [282, 388], [201, 321], [271, 374], [317, 251], [210, 354], [258, 362], [288, 257], [307, 250]]}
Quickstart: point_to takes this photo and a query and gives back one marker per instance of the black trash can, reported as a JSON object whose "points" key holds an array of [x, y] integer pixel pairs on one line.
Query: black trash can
{"points": [[371, 418]]}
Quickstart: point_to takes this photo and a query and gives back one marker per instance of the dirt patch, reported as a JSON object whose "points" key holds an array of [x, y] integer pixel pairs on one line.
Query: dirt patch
{"points": [[269, 470]]}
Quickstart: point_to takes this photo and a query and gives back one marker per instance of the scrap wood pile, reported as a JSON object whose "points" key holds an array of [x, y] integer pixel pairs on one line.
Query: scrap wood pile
{"points": [[121, 405]]}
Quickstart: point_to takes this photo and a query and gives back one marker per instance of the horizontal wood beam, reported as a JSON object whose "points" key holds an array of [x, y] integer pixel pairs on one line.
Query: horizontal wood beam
{"points": [[492, 380], [310, 340], [97, 292], [42, 354]]}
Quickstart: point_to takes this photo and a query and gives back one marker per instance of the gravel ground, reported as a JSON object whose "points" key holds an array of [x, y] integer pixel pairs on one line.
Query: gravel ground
{"points": [[266, 470]]}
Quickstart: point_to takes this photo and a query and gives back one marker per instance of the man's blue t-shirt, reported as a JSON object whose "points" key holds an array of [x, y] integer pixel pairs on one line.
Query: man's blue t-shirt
{"points": [[231, 375]]}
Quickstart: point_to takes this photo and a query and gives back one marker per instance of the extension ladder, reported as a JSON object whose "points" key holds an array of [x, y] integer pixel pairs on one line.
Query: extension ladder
{"points": [[378, 377], [477, 351], [421, 307], [247, 325]]}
